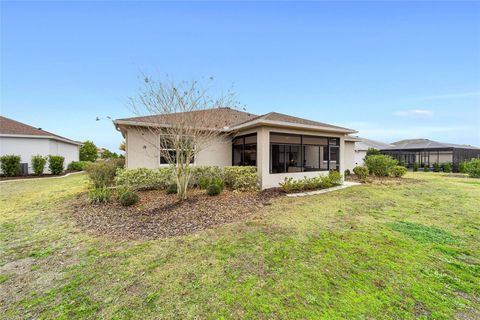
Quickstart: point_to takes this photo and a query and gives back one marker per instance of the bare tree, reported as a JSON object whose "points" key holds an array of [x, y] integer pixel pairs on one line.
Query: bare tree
{"points": [[175, 112]]}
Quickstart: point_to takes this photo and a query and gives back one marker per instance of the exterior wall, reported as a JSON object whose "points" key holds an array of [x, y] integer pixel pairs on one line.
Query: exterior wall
{"points": [[359, 156], [28, 147], [272, 180], [349, 159], [142, 151]]}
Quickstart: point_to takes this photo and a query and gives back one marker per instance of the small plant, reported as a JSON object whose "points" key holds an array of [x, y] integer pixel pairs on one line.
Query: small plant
{"points": [[171, 189], [361, 172], [426, 167], [398, 171], [335, 177], [77, 165], [346, 173], [415, 167], [99, 195], [214, 189], [447, 167], [38, 164], [203, 182], [55, 164], [380, 165], [127, 197], [10, 165], [436, 167], [102, 173]]}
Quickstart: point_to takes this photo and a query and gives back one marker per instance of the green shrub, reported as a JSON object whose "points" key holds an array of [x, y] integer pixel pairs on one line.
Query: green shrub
{"points": [[436, 167], [214, 189], [127, 197], [77, 165], [101, 173], [380, 165], [346, 173], [289, 185], [398, 171], [172, 188], [99, 195], [88, 151], [242, 178], [144, 179], [361, 172], [55, 164], [415, 167], [447, 167], [473, 168], [426, 168], [38, 164], [10, 165], [372, 152], [204, 174], [462, 167]]}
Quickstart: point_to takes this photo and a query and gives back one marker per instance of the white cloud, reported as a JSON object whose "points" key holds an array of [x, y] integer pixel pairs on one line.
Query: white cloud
{"points": [[414, 113]]}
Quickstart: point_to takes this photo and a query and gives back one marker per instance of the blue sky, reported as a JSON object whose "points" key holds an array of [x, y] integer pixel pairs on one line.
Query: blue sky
{"points": [[392, 70]]}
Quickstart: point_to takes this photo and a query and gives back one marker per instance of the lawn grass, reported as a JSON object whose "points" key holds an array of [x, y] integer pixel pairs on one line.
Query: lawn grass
{"points": [[401, 251]]}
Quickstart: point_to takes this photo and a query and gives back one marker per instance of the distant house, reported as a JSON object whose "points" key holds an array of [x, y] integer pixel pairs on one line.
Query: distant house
{"points": [[427, 152], [100, 152], [361, 147], [26, 141], [278, 145]]}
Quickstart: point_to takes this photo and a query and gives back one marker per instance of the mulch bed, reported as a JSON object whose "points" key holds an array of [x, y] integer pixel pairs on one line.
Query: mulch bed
{"points": [[384, 180], [160, 215], [33, 176]]}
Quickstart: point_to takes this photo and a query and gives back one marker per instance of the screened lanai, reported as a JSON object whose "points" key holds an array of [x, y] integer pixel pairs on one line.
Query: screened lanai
{"points": [[427, 152]]}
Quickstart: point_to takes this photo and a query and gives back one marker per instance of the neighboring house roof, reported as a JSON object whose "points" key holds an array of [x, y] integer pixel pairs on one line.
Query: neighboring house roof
{"points": [[230, 120], [365, 144], [12, 128], [426, 144]]}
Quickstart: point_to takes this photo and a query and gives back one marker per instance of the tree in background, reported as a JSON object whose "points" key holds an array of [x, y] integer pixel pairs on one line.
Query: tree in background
{"points": [[107, 154], [178, 118], [88, 151], [372, 152], [122, 146]]}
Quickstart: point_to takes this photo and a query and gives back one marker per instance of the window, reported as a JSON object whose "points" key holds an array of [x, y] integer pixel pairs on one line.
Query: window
{"points": [[244, 150], [297, 153], [168, 151]]}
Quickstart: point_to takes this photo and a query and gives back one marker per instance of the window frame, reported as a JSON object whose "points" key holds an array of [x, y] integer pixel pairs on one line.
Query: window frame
{"points": [[243, 144], [160, 150], [328, 146]]}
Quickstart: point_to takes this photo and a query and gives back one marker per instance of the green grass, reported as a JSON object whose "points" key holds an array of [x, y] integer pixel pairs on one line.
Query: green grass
{"points": [[409, 251]]}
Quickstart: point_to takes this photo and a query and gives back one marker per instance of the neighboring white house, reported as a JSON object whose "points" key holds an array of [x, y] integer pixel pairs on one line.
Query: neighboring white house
{"points": [[26, 141], [277, 144], [361, 147]]}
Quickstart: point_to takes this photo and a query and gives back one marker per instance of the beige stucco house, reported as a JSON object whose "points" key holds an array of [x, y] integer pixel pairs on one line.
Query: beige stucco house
{"points": [[277, 144]]}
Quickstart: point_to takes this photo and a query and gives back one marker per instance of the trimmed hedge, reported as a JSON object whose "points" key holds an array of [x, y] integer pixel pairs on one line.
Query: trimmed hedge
{"points": [[77, 165], [144, 179], [55, 164], [289, 185], [38, 164], [241, 178], [203, 175], [10, 165]]}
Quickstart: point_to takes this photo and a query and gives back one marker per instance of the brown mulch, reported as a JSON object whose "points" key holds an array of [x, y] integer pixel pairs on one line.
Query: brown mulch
{"points": [[160, 215], [33, 176]]}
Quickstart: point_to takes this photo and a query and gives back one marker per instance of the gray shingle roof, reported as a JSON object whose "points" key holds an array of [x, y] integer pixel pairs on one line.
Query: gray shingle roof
{"points": [[426, 144]]}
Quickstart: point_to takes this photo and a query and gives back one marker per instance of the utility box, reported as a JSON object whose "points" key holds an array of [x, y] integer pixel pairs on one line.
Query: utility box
{"points": [[23, 169]]}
